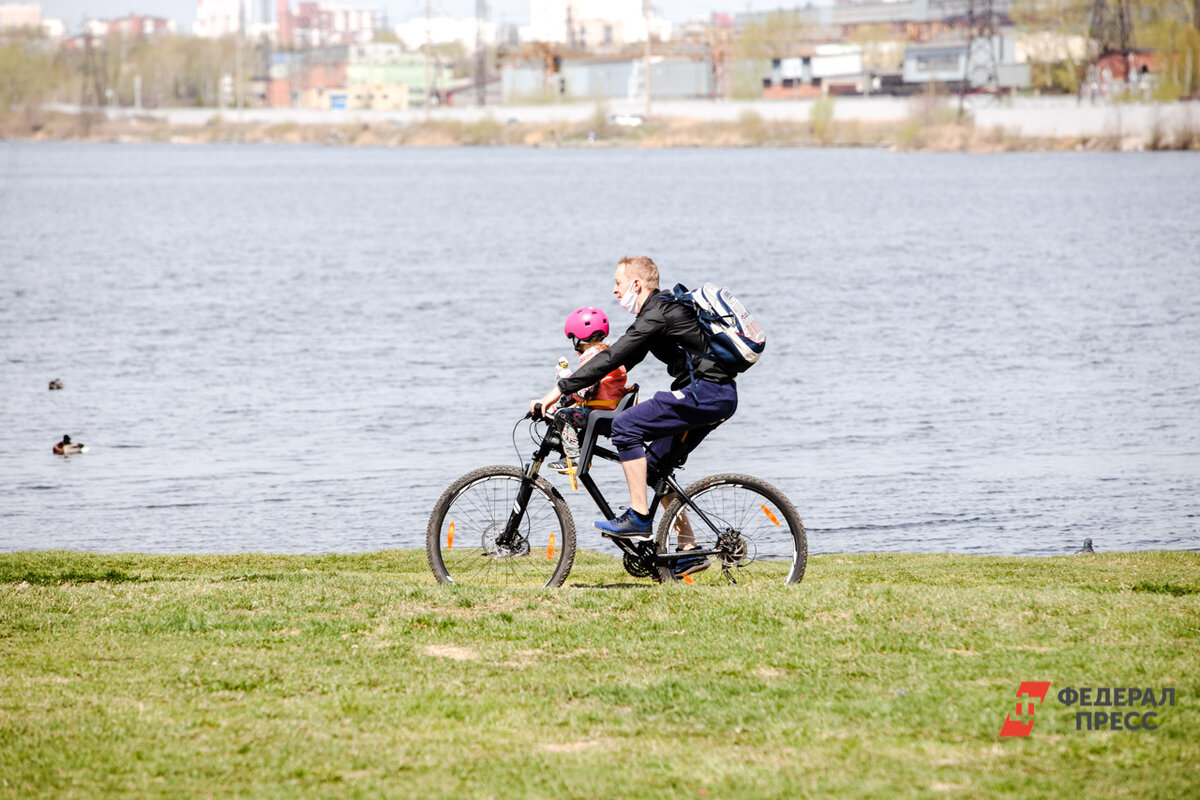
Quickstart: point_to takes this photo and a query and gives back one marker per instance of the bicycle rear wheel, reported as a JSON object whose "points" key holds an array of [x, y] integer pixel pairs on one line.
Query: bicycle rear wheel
{"points": [[756, 528], [460, 542]]}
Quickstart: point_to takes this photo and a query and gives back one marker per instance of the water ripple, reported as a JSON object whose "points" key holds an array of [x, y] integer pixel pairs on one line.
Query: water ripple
{"points": [[274, 349]]}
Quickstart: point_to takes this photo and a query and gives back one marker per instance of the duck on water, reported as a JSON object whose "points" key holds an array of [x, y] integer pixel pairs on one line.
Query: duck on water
{"points": [[68, 448]]}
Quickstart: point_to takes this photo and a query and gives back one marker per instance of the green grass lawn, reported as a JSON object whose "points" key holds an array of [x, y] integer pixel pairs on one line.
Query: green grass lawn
{"points": [[356, 675]]}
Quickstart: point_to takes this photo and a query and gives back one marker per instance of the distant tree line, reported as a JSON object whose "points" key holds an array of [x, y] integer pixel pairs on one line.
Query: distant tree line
{"points": [[173, 71]]}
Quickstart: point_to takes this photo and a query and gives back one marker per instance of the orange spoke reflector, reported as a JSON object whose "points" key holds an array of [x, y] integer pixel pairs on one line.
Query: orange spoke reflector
{"points": [[450, 538], [550, 548], [687, 579], [770, 515]]}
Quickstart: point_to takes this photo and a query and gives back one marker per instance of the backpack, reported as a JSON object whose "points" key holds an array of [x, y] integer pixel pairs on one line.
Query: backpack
{"points": [[735, 339]]}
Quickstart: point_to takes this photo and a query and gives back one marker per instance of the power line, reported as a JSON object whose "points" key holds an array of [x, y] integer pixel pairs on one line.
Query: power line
{"points": [[481, 13], [981, 66]]}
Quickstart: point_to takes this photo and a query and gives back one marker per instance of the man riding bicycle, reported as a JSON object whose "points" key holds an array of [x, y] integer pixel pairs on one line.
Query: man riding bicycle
{"points": [[703, 393]]}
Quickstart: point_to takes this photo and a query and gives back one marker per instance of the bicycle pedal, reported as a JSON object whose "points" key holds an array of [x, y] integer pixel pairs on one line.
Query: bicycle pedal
{"points": [[641, 538]]}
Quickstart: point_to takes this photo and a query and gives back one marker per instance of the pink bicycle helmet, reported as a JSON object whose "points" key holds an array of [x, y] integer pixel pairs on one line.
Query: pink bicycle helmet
{"points": [[584, 322]]}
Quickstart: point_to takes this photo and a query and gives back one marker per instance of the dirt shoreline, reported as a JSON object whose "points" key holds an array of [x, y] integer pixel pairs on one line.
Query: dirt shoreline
{"points": [[916, 134]]}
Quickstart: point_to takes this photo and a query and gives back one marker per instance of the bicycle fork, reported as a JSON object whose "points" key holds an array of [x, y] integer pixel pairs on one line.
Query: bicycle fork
{"points": [[511, 537]]}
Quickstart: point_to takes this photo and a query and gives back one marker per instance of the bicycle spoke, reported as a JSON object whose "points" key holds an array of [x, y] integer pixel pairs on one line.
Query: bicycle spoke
{"points": [[756, 531], [481, 509]]}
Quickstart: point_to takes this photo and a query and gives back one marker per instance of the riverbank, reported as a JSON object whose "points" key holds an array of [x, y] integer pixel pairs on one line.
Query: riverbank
{"points": [[926, 127], [880, 675]]}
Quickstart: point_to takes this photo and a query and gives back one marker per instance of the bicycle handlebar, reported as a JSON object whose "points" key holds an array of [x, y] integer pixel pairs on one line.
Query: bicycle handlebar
{"points": [[538, 414]]}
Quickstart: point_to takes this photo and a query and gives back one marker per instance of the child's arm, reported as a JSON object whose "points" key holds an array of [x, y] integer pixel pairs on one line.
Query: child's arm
{"points": [[563, 370], [584, 357]]}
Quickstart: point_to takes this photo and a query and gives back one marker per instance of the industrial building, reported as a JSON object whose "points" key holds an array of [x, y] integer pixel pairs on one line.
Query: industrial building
{"points": [[670, 79], [309, 78], [945, 62], [816, 70], [15, 16], [325, 24], [381, 97], [940, 45]]}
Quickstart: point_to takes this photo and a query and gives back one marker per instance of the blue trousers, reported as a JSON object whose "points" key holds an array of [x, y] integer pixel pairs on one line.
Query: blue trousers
{"points": [[697, 408]]}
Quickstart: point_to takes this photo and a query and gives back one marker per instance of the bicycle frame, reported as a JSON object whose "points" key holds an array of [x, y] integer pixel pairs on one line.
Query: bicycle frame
{"points": [[666, 485]]}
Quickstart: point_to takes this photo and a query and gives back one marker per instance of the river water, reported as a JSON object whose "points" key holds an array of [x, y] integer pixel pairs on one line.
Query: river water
{"points": [[295, 349]]}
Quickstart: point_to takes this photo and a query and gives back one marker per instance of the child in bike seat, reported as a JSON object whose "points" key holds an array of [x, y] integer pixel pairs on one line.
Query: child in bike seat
{"points": [[587, 328]]}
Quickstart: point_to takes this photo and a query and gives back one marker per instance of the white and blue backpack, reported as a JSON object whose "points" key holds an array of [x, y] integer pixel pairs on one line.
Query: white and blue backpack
{"points": [[735, 339]]}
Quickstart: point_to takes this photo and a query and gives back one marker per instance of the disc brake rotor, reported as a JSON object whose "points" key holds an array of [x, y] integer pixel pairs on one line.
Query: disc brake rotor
{"points": [[519, 546]]}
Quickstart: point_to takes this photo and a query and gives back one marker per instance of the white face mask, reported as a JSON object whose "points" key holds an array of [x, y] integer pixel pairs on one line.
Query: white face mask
{"points": [[629, 300]]}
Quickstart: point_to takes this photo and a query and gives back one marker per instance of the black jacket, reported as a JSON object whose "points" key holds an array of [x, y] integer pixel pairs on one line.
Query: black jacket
{"points": [[660, 328]]}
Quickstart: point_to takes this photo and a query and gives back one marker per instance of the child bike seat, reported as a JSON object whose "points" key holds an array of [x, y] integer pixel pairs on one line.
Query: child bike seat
{"points": [[599, 423]]}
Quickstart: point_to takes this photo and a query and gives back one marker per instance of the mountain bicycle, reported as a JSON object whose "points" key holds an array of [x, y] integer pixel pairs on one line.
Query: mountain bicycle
{"points": [[501, 525]]}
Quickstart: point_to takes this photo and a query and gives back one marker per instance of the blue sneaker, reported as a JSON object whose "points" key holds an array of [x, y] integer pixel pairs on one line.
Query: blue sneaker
{"points": [[627, 526], [689, 566]]}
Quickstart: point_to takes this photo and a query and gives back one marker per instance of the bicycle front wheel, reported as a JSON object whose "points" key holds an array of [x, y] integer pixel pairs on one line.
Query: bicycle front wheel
{"points": [[755, 528], [461, 540]]}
